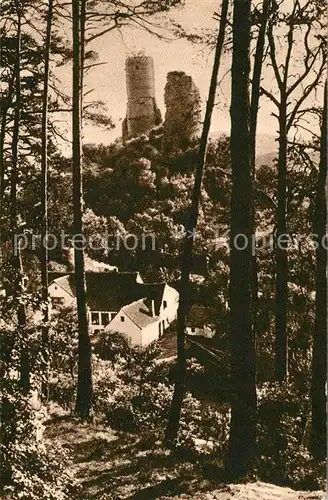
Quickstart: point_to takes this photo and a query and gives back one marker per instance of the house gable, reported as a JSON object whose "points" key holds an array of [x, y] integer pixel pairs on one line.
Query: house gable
{"points": [[59, 295], [145, 320], [123, 324]]}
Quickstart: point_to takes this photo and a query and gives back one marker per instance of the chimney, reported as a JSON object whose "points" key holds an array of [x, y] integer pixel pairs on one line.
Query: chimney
{"points": [[152, 305]]}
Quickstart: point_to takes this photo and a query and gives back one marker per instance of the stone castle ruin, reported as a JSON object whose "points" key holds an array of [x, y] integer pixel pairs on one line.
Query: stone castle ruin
{"points": [[182, 118], [142, 113], [182, 100]]}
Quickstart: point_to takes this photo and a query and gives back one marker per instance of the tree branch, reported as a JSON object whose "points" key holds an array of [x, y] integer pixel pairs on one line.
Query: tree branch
{"points": [[306, 93], [270, 96], [272, 53]]}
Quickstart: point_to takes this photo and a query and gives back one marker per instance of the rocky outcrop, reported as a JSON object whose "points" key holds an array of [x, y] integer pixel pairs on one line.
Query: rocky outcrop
{"points": [[183, 106]]}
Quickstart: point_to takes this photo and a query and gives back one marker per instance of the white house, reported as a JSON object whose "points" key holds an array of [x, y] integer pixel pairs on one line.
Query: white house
{"points": [[120, 302], [146, 319], [107, 292], [61, 292]]}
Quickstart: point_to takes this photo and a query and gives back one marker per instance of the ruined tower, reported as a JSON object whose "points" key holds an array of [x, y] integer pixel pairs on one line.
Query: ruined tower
{"points": [[142, 113], [183, 107]]}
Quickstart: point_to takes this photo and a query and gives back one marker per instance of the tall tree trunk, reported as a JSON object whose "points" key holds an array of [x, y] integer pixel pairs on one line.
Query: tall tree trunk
{"points": [[243, 373], [82, 55], [44, 200], [4, 115], [288, 107], [84, 383], [4, 112], [281, 348], [16, 252], [187, 254], [319, 356], [256, 81], [255, 99]]}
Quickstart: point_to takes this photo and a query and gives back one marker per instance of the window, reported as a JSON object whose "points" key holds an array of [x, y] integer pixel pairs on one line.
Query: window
{"points": [[193, 329], [165, 304], [122, 319], [57, 301], [104, 318], [95, 318]]}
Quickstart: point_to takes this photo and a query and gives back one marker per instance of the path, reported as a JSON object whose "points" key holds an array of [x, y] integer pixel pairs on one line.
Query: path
{"points": [[113, 465]]}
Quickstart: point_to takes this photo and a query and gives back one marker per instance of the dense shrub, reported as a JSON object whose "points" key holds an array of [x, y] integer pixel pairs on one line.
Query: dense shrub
{"points": [[283, 428], [128, 384], [29, 469], [204, 427], [111, 346], [134, 393], [63, 341]]}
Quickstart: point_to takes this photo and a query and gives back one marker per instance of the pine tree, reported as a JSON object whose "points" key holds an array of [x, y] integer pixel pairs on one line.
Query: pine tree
{"points": [[84, 384], [243, 373], [319, 356], [187, 254], [306, 20]]}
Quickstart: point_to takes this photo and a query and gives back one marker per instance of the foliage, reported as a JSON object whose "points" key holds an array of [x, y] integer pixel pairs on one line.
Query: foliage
{"points": [[30, 469], [134, 392], [111, 347], [134, 188], [63, 358], [283, 434]]}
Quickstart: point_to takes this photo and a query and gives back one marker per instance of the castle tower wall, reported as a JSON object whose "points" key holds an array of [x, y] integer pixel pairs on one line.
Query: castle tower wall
{"points": [[142, 113], [140, 79], [183, 108]]}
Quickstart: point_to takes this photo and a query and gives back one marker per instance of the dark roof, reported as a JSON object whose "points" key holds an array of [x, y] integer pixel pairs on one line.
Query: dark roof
{"points": [[110, 291], [153, 291], [198, 316], [140, 311], [53, 275]]}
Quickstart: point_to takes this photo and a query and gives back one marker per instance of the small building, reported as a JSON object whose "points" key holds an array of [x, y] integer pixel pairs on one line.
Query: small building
{"points": [[107, 292], [146, 319], [201, 321], [120, 302]]}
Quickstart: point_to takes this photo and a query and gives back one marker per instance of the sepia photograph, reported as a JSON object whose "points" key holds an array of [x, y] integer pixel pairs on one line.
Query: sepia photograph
{"points": [[163, 249]]}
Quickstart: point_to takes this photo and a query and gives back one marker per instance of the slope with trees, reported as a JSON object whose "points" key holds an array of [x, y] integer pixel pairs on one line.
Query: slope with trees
{"points": [[227, 409]]}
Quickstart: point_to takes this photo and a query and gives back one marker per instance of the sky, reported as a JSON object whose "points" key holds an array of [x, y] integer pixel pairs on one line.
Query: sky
{"points": [[108, 80]]}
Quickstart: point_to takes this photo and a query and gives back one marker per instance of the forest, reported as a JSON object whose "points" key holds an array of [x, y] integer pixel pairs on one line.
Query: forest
{"points": [[241, 235]]}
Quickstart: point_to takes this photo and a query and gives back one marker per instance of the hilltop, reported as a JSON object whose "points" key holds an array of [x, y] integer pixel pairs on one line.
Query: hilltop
{"points": [[265, 143]]}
